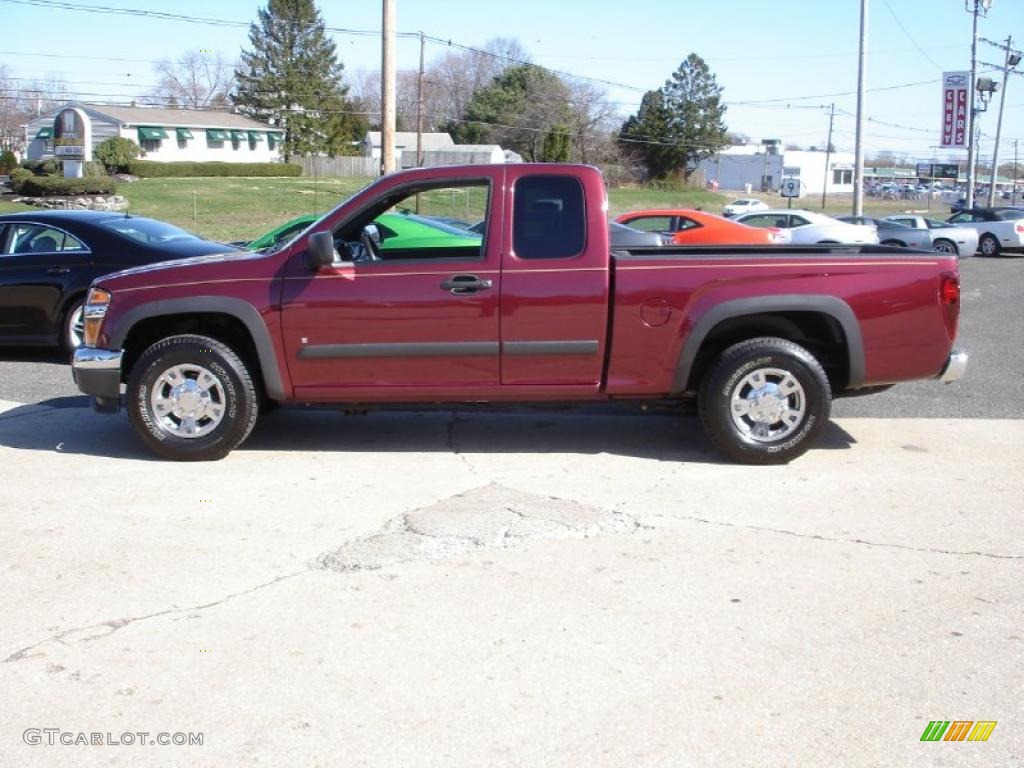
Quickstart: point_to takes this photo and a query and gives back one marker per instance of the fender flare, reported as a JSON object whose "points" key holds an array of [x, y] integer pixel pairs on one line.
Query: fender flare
{"points": [[831, 306], [237, 308]]}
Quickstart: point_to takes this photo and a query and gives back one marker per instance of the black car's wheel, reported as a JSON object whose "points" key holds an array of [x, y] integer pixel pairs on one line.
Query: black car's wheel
{"points": [[764, 401], [988, 245], [894, 243], [945, 246], [73, 326], [191, 398]]}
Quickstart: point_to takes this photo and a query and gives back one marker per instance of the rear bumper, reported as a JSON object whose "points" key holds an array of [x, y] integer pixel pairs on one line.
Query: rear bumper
{"points": [[97, 372], [954, 368]]}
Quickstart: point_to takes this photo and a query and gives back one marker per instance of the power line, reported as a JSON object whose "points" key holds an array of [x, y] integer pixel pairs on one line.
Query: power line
{"points": [[909, 37]]}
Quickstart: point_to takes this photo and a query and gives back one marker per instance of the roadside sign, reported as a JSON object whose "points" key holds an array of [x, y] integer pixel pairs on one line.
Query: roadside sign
{"points": [[790, 188], [954, 109]]}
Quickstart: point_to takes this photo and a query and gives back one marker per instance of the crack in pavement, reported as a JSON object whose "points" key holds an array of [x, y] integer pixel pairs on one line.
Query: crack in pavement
{"points": [[842, 539], [450, 443], [113, 625]]}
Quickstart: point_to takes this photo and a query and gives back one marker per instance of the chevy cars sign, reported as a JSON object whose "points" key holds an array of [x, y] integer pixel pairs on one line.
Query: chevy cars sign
{"points": [[954, 109]]}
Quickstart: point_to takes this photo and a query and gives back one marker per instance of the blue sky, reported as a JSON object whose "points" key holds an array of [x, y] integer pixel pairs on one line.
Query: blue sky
{"points": [[797, 52]]}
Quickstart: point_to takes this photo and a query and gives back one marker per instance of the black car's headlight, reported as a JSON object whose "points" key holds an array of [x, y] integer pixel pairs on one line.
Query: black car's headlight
{"points": [[96, 304]]}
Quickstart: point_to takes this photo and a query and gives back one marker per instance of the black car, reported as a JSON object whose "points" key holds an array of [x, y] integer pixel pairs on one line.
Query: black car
{"points": [[49, 258]]}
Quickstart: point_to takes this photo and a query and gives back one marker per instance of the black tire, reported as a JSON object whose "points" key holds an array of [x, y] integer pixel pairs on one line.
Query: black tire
{"points": [[894, 243], [71, 328], [989, 245], [234, 397], [942, 245], [809, 404]]}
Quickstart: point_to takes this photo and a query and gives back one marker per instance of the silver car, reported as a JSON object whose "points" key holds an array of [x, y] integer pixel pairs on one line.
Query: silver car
{"points": [[800, 227], [627, 237], [893, 233], [946, 237]]}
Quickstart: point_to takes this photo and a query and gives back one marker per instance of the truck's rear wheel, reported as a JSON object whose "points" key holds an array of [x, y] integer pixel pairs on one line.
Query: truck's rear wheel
{"points": [[764, 401], [191, 398]]}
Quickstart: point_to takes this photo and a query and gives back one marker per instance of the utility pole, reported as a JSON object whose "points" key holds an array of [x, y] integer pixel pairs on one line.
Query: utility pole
{"points": [[858, 172], [1012, 60], [1014, 201], [419, 108], [975, 8], [387, 88], [828, 153]]}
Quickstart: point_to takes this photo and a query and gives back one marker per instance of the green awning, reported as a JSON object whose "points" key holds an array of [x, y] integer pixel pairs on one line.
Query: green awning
{"points": [[45, 133], [151, 133], [215, 134], [255, 136], [183, 134], [275, 137], [238, 136]]}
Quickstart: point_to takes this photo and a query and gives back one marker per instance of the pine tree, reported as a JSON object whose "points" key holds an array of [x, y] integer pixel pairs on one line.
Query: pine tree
{"points": [[292, 78], [680, 124]]}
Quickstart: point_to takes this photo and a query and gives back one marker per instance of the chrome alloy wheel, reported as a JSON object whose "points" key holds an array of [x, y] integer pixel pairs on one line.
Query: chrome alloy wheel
{"points": [[188, 401], [76, 327], [768, 404]]}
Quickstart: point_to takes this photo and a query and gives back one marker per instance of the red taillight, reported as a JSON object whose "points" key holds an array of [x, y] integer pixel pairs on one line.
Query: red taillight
{"points": [[949, 289], [1019, 227]]}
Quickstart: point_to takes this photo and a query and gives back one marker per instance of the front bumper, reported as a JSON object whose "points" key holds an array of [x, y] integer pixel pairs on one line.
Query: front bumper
{"points": [[954, 367], [97, 372]]}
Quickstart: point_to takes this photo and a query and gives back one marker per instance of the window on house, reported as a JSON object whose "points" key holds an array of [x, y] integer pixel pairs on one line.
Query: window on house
{"points": [[842, 176], [151, 145]]}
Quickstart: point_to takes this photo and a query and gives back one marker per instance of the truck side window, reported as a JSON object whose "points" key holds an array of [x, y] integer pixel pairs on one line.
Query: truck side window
{"points": [[549, 218]]}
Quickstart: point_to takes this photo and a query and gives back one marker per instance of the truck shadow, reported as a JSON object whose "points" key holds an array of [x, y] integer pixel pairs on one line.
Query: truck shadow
{"points": [[67, 425]]}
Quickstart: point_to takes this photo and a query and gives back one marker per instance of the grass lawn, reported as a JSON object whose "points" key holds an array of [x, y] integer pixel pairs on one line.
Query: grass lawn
{"points": [[243, 208]]}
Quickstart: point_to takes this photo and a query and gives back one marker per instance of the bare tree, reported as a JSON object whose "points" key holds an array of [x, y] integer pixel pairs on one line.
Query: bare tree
{"points": [[12, 114], [593, 121], [196, 80], [455, 75]]}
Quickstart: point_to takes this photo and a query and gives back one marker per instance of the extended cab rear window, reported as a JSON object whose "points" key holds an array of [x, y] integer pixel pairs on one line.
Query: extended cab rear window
{"points": [[549, 218]]}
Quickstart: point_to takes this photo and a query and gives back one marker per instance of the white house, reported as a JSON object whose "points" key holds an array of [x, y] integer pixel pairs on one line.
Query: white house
{"points": [[167, 134], [405, 140], [763, 167], [456, 154]]}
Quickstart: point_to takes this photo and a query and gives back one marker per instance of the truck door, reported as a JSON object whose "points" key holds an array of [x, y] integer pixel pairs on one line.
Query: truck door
{"points": [[554, 281], [414, 308]]}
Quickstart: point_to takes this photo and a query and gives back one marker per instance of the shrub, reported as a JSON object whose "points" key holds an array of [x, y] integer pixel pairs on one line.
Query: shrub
{"points": [[18, 175], [116, 154], [43, 186], [44, 167], [8, 161], [186, 169], [95, 170]]}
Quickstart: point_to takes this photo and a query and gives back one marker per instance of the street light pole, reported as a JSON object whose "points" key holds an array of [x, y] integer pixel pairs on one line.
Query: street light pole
{"points": [[975, 8], [858, 173]]}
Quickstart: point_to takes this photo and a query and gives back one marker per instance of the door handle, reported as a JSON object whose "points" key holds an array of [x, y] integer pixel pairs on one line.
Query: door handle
{"points": [[462, 284], [58, 270]]}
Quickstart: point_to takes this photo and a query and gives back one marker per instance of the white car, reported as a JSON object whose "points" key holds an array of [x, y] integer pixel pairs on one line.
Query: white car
{"points": [[743, 205], [946, 238], [999, 229], [801, 227]]}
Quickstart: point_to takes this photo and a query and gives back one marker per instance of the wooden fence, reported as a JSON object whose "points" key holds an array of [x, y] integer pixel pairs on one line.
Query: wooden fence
{"points": [[338, 166]]}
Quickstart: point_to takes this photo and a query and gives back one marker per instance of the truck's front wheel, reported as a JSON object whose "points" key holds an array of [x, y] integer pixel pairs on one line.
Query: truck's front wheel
{"points": [[764, 401], [191, 398]]}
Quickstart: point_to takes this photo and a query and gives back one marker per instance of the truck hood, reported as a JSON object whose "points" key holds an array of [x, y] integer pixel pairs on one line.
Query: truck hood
{"points": [[230, 255]]}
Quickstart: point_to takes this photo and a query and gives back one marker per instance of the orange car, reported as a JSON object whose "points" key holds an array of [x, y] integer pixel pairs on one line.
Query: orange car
{"points": [[690, 227]]}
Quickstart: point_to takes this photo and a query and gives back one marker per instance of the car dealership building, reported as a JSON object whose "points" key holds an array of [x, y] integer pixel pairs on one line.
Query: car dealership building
{"points": [[166, 134]]}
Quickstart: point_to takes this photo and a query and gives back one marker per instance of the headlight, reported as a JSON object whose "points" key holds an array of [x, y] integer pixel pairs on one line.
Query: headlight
{"points": [[96, 304]]}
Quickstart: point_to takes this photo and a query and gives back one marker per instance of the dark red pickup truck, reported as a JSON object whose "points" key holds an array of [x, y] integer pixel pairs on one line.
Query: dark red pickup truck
{"points": [[531, 304]]}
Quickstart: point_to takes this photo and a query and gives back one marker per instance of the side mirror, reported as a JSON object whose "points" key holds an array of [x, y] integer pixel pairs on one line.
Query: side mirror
{"points": [[320, 250]]}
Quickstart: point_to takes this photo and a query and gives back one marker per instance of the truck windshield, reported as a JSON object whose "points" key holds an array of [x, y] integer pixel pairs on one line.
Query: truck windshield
{"points": [[148, 231]]}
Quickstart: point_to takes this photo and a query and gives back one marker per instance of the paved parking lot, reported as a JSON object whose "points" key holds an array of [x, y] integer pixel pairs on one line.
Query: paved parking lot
{"points": [[525, 588]]}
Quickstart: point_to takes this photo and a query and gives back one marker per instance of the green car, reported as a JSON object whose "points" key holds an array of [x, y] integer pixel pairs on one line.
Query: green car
{"points": [[398, 232]]}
